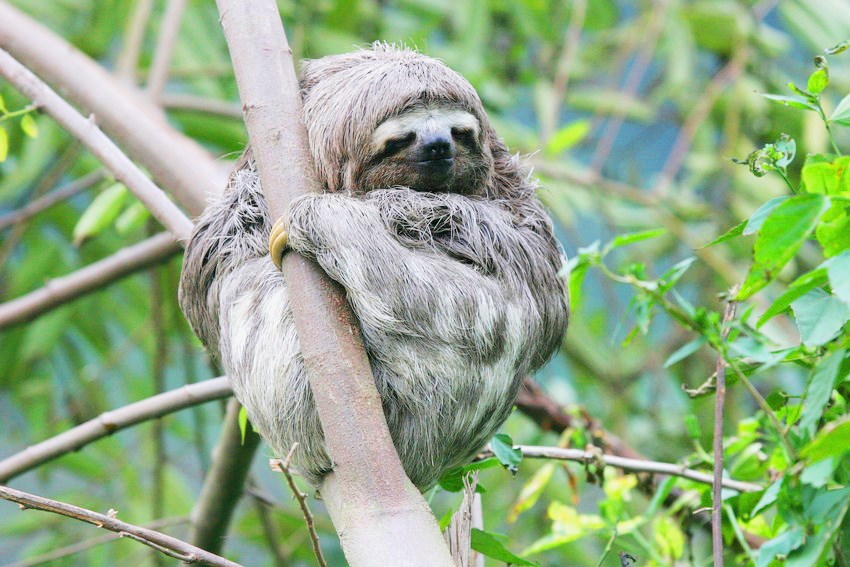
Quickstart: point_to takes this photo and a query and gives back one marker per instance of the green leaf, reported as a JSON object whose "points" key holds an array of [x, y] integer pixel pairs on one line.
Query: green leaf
{"points": [[29, 126], [503, 449], [837, 48], [132, 218], [798, 288], [819, 390], [568, 136], [668, 537], [3, 109], [838, 270], [833, 232], [243, 422], [736, 230], [826, 174], [841, 114], [818, 81], [781, 235], [452, 479], [531, 491], [631, 238], [490, 545], [820, 317], [781, 546], [756, 221], [768, 497], [792, 101], [831, 441], [101, 213], [4, 144], [684, 351]]}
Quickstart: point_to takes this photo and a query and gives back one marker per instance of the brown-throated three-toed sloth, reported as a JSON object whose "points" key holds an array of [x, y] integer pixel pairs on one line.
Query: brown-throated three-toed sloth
{"points": [[434, 231]]}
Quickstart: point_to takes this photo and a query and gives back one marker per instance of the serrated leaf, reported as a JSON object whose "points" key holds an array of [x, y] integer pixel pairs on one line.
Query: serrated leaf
{"points": [[831, 441], [838, 270], [568, 136], [826, 174], [820, 317], [4, 144], [819, 390], [798, 288], [504, 450], [28, 125], [792, 101], [841, 114], [781, 235], [631, 238], [490, 545], [755, 222], [101, 213], [736, 230]]}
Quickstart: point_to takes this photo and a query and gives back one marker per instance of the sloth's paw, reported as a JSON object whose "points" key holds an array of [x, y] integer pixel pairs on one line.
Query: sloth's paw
{"points": [[278, 241]]}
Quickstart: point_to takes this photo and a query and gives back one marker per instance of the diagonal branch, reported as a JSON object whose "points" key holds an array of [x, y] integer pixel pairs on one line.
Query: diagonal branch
{"points": [[98, 143], [177, 162], [166, 544], [109, 422], [54, 197], [91, 278]]}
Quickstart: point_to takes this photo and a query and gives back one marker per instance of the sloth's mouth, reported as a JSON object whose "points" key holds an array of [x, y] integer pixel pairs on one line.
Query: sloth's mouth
{"points": [[437, 162]]}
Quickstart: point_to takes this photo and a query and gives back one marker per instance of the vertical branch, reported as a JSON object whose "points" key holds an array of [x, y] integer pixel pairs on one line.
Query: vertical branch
{"points": [[128, 60], [719, 401], [160, 352], [380, 516], [158, 75]]}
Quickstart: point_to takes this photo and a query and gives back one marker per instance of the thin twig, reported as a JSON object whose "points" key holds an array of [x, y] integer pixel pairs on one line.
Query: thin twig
{"points": [[301, 498], [633, 465], [60, 553], [93, 277], [56, 196], [572, 42], [719, 403], [201, 104], [98, 143], [186, 552], [169, 27], [109, 422]]}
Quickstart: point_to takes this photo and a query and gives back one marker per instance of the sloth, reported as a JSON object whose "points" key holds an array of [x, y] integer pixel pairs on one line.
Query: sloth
{"points": [[433, 229]]}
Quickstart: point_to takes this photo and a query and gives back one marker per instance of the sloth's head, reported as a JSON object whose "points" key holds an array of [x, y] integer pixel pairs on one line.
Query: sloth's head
{"points": [[388, 117]]}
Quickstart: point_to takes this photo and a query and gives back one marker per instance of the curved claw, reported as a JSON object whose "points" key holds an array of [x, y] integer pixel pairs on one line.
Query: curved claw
{"points": [[278, 240]]}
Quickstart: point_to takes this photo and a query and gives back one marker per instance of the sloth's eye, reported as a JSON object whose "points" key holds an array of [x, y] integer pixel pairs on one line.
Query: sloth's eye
{"points": [[395, 145], [464, 135]]}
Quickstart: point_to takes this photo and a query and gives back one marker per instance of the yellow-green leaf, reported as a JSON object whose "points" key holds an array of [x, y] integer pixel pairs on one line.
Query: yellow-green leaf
{"points": [[29, 126], [102, 212], [4, 144]]}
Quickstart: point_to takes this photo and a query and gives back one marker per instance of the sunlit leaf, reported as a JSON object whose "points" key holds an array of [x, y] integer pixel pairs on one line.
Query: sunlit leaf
{"points": [[831, 441], [826, 174], [490, 545], [568, 136], [531, 491], [792, 101], [4, 144], [820, 317], [28, 125], [101, 213], [755, 222]]}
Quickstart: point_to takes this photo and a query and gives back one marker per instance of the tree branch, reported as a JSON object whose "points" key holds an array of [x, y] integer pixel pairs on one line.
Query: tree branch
{"points": [[135, 122], [381, 518], [109, 422], [45, 202], [99, 144], [633, 465], [169, 28], [91, 278], [164, 543], [224, 484]]}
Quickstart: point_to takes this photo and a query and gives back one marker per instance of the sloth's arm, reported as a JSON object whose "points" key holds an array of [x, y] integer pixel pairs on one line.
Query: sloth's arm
{"points": [[439, 267]]}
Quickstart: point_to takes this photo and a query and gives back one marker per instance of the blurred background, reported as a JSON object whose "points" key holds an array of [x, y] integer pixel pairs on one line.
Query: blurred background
{"points": [[628, 111]]}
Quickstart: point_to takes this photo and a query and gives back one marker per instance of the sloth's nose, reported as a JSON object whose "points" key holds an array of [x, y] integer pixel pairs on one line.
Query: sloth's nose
{"points": [[437, 147]]}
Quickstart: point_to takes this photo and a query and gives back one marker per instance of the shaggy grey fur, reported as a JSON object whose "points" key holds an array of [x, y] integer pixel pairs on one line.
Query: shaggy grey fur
{"points": [[455, 286]]}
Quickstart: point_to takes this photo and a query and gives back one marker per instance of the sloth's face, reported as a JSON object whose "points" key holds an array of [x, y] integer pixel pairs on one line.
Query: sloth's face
{"points": [[427, 148]]}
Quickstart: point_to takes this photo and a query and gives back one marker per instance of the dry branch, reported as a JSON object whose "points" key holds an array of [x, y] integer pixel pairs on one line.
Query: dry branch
{"points": [[109, 422], [98, 143], [381, 518], [175, 161], [166, 544], [91, 278]]}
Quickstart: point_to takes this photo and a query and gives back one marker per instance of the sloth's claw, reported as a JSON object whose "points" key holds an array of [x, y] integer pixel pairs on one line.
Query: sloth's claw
{"points": [[278, 240]]}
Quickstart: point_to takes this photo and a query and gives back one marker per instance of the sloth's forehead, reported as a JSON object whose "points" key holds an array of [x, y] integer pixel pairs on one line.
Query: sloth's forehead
{"points": [[424, 117]]}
